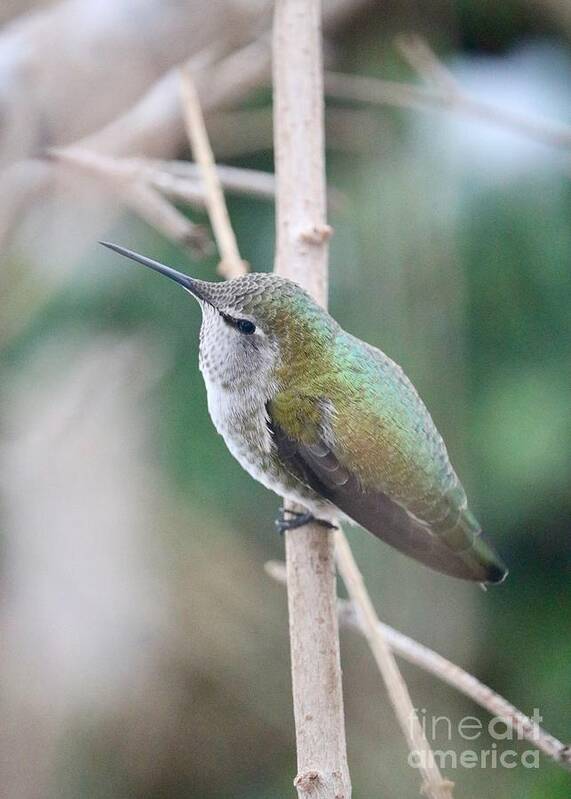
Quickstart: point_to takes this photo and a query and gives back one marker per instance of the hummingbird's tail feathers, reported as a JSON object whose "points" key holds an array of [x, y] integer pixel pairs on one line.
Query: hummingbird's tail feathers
{"points": [[485, 554], [464, 537], [481, 558]]}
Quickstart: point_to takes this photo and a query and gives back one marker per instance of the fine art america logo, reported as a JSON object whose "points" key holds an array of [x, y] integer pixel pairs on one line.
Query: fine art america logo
{"points": [[485, 745]]}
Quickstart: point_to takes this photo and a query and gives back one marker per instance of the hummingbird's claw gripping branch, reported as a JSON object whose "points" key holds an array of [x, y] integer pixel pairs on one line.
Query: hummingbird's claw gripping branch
{"points": [[299, 519]]}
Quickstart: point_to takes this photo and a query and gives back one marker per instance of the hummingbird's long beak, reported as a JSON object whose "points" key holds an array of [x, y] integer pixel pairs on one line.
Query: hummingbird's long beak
{"points": [[179, 277]]}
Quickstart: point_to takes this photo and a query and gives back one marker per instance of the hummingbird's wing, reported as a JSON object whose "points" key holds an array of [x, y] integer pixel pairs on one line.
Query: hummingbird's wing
{"points": [[385, 466], [318, 467]]}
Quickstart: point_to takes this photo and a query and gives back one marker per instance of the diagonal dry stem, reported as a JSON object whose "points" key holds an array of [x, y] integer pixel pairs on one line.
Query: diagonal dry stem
{"points": [[460, 679], [434, 784], [231, 265], [422, 58]]}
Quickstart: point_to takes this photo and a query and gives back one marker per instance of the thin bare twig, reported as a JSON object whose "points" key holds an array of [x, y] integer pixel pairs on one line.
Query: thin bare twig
{"points": [[437, 665], [375, 91], [231, 264], [130, 184], [422, 58], [234, 180], [177, 179], [162, 215]]}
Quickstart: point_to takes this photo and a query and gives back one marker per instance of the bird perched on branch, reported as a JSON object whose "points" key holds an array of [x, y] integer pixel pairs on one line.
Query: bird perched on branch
{"points": [[330, 422]]}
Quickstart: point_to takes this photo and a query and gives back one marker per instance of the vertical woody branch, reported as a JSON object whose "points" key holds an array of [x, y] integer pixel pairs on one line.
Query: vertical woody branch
{"points": [[302, 233], [301, 254]]}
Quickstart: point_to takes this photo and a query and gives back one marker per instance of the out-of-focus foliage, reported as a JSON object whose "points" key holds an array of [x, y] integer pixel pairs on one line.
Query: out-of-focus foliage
{"points": [[144, 650]]}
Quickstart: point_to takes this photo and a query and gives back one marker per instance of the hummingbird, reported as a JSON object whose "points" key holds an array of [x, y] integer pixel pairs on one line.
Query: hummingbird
{"points": [[329, 422]]}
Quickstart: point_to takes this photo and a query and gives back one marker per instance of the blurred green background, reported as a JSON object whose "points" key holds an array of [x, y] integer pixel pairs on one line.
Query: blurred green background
{"points": [[145, 651]]}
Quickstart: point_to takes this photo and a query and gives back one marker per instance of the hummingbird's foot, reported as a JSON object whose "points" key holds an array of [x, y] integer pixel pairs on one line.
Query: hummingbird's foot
{"points": [[298, 519]]}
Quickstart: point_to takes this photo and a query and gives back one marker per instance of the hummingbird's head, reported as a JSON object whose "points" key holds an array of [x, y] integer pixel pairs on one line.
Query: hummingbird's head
{"points": [[254, 328]]}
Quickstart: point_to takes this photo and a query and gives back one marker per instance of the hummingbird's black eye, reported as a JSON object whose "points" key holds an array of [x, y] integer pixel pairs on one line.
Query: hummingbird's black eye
{"points": [[245, 326]]}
